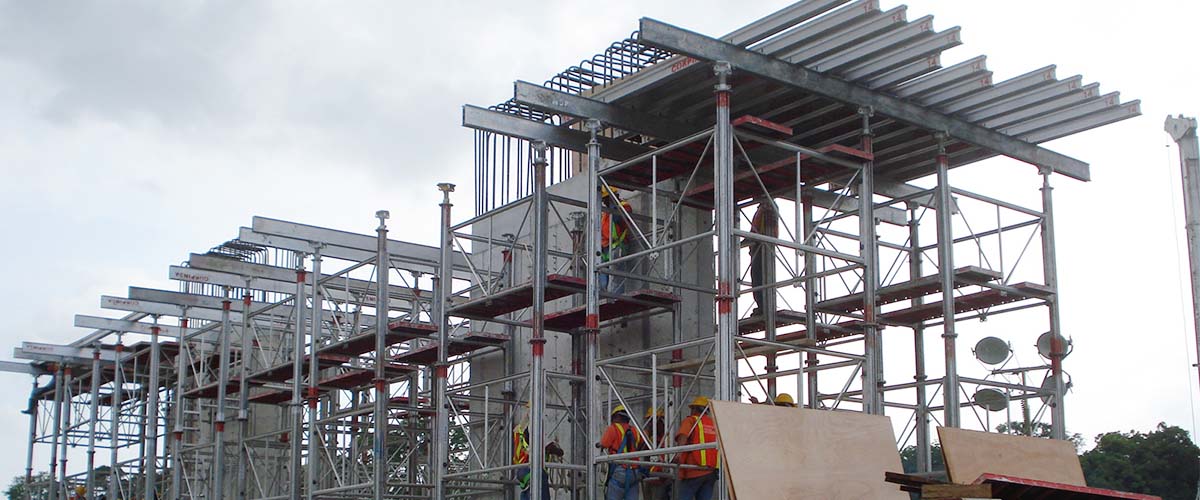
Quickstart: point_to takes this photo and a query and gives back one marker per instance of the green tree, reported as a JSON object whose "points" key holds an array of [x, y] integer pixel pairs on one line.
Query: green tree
{"points": [[1163, 462], [908, 458], [16, 487], [1039, 429]]}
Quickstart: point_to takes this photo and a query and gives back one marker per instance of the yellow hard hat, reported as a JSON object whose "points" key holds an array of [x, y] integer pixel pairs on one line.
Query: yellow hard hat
{"points": [[608, 191], [79, 490], [650, 411], [784, 399], [519, 429], [618, 409], [700, 401]]}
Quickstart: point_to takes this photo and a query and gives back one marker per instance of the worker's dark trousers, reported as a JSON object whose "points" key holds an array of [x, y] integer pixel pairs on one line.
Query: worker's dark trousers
{"points": [[759, 271]]}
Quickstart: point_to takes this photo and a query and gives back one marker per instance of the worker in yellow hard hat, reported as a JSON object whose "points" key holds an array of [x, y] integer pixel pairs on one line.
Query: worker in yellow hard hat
{"points": [[621, 437], [698, 428], [785, 399], [614, 235]]}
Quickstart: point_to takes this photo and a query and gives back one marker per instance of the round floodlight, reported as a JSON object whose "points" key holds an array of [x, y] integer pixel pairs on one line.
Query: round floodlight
{"points": [[990, 399], [1048, 387], [992, 350], [1044, 347]]}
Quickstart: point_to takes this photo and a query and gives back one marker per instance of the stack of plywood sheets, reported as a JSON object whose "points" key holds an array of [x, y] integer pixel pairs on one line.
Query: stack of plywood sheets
{"points": [[771, 452], [970, 454]]}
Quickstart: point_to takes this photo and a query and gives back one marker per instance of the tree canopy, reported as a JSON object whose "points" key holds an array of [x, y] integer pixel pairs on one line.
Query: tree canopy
{"points": [[1163, 462]]}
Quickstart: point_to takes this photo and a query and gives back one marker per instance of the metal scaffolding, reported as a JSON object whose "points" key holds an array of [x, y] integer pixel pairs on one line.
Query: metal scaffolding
{"points": [[779, 181]]}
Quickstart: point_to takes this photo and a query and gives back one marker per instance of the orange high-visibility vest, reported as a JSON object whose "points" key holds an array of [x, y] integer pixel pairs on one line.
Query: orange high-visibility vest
{"points": [[704, 432], [520, 448], [613, 233]]}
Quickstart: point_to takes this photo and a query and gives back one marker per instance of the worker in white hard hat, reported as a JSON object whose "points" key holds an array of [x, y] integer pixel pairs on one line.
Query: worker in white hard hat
{"points": [[621, 437]]}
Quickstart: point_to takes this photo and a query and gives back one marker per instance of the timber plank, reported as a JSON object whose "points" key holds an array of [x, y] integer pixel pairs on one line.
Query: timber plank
{"points": [[970, 454], [772, 452]]}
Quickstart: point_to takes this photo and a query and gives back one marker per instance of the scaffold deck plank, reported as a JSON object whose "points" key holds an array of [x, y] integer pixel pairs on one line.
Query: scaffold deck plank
{"points": [[758, 322], [919, 287], [210, 391], [610, 309], [428, 354], [283, 372], [354, 377], [270, 397], [399, 331], [518, 297], [970, 302]]}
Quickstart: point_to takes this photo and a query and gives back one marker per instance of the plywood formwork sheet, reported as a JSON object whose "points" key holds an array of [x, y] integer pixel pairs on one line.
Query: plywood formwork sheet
{"points": [[771, 452], [970, 454]]}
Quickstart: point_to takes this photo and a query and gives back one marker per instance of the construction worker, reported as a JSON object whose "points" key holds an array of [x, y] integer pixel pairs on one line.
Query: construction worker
{"points": [[655, 486], [620, 437], [785, 399], [762, 255], [614, 236], [521, 456], [698, 428]]}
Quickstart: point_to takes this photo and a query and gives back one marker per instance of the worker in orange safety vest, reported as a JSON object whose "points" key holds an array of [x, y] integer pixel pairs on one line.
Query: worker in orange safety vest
{"points": [[698, 428], [621, 437], [614, 236]]}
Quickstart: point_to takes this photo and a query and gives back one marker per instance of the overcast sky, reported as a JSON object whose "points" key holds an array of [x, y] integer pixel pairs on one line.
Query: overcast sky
{"points": [[132, 136]]}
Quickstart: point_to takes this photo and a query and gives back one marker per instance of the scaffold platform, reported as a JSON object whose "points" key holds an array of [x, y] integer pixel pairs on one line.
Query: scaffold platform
{"points": [[518, 297], [617, 307]]}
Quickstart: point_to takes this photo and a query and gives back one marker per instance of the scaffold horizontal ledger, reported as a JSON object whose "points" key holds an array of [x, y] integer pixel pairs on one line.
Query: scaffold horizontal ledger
{"points": [[740, 218]]}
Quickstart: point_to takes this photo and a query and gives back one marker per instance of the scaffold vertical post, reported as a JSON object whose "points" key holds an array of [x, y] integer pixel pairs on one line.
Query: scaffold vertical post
{"points": [[218, 481], [314, 369], [65, 413], [93, 413], [537, 340], [445, 287], [33, 411], [915, 265], [727, 271], [1058, 415], [592, 321], [56, 430], [243, 398], [873, 371], [296, 477], [945, 245], [181, 368], [810, 301], [151, 472], [382, 306], [114, 426]]}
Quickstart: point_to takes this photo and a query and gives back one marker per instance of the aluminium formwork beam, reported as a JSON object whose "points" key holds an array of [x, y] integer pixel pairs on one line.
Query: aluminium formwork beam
{"points": [[667, 37], [615, 115]]}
